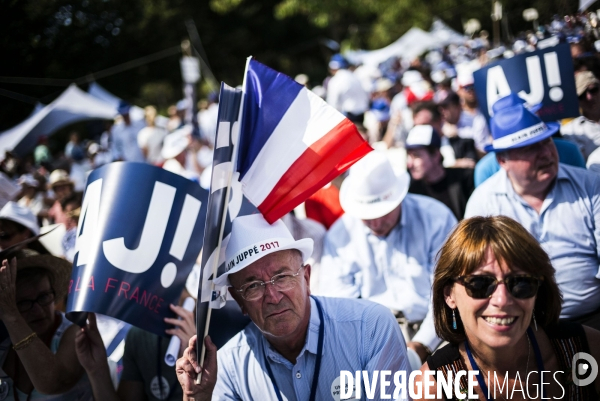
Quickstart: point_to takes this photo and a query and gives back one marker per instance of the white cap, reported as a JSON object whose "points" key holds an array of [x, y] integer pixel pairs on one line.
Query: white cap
{"points": [[411, 77], [27, 179], [253, 238], [302, 79], [422, 135], [21, 215], [465, 79], [176, 142], [372, 189]]}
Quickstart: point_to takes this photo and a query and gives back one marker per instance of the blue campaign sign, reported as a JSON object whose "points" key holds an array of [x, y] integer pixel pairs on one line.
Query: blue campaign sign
{"points": [[140, 232], [543, 77]]}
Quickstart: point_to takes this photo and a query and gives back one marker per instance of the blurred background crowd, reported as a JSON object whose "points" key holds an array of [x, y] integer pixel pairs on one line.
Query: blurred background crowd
{"points": [[418, 106]]}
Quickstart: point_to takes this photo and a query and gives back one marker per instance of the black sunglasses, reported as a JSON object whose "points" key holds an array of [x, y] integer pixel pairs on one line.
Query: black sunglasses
{"points": [[520, 286], [592, 91]]}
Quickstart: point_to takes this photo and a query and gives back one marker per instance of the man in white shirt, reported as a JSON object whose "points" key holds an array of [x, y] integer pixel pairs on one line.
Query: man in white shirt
{"points": [[384, 248], [124, 144], [151, 137], [344, 90], [558, 204]]}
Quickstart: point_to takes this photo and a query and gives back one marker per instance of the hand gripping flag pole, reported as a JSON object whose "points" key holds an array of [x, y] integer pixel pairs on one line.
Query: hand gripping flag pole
{"points": [[230, 113]]}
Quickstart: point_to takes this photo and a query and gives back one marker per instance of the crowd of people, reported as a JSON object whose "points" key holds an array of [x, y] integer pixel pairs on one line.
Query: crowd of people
{"points": [[476, 238]]}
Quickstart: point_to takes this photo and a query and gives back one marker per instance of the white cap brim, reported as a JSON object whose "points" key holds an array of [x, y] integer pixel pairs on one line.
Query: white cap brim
{"points": [[259, 250]]}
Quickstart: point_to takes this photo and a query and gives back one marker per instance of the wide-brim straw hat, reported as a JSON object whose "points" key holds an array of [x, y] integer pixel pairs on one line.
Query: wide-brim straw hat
{"points": [[59, 177], [59, 269]]}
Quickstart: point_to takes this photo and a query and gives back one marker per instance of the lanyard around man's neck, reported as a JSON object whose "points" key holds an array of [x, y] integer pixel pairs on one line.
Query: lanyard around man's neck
{"points": [[315, 381]]}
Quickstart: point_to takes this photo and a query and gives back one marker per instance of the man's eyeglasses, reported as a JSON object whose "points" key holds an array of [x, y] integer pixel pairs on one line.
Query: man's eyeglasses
{"points": [[520, 286], [45, 298], [281, 282], [592, 91]]}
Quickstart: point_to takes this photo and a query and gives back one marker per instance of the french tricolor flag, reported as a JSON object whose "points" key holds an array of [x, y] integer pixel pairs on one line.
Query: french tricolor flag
{"points": [[291, 142]]}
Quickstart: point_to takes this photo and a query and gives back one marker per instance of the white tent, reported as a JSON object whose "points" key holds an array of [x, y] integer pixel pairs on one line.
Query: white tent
{"points": [[95, 90], [136, 113], [410, 45], [445, 34], [584, 4], [73, 105]]}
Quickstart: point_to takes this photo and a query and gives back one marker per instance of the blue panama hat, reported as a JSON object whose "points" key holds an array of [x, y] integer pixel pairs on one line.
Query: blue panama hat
{"points": [[512, 100], [516, 127]]}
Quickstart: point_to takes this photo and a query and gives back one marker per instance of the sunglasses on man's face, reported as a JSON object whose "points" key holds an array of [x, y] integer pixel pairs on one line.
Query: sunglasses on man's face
{"points": [[480, 286], [592, 91]]}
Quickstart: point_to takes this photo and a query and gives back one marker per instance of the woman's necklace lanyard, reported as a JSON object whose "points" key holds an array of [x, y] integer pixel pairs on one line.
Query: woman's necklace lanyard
{"points": [[313, 390], [538, 358]]}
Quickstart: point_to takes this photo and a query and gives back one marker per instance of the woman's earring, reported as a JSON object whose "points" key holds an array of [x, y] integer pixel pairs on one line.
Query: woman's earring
{"points": [[454, 320], [534, 322]]}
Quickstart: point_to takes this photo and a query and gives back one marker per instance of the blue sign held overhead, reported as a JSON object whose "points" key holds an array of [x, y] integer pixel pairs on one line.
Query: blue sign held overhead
{"points": [[140, 232], [543, 77]]}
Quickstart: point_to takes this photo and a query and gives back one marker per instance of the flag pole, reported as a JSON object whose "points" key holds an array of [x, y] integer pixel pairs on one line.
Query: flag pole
{"points": [[215, 260]]}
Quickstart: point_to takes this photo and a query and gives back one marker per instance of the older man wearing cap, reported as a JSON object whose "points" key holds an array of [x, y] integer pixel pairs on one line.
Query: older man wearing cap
{"points": [[384, 247], [568, 152], [124, 144], [558, 204], [451, 186], [298, 344]]}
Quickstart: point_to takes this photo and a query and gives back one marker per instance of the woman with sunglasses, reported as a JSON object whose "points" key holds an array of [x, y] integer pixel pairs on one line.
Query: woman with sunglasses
{"points": [[37, 347], [496, 302]]}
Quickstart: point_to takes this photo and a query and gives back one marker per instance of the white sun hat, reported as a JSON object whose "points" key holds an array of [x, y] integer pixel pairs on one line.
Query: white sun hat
{"points": [[176, 142], [21, 215], [372, 189], [252, 238]]}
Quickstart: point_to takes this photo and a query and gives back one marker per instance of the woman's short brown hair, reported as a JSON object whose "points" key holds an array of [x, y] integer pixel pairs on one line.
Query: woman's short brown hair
{"points": [[465, 250]]}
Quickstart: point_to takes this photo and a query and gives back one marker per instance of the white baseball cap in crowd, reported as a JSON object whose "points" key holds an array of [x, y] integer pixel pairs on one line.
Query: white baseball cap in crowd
{"points": [[28, 180], [422, 136], [21, 215], [253, 238], [372, 189], [176, 142]]}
